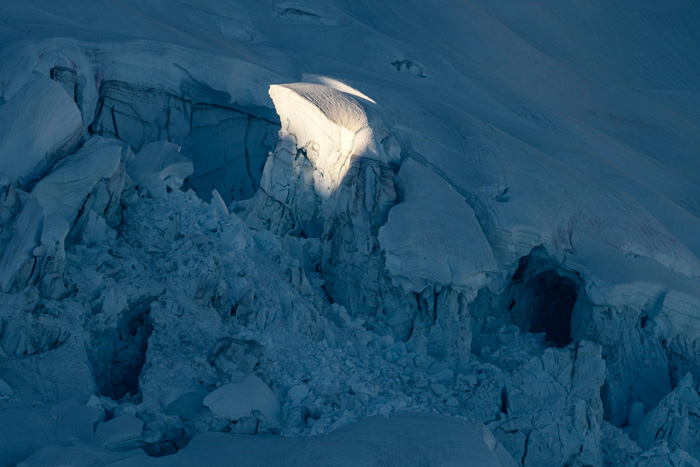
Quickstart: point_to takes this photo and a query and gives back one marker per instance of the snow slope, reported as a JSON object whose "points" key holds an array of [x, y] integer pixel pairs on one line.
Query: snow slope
{"points": [[478, 208], [398, 440]]}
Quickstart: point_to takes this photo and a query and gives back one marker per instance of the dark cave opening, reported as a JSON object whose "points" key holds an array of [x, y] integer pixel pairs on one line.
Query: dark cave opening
{"points": [[542, 301], [121, 354], [553, 302]]}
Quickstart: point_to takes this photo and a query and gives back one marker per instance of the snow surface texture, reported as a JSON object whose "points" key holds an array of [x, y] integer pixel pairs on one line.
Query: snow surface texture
{"points": [[290, 218]]}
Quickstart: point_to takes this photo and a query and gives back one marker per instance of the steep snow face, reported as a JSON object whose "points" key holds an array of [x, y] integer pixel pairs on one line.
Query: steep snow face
{"points": [[433, 236], [38, 126], [63, 191], [331, 178], [442, 210]]}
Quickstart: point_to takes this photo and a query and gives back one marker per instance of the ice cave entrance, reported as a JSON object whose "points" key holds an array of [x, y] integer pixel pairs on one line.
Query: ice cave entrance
{"points": [[544, 303]]}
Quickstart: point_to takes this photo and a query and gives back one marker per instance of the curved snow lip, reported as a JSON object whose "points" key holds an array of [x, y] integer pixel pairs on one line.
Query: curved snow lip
{"points": [[342, 125], [178, 70]]}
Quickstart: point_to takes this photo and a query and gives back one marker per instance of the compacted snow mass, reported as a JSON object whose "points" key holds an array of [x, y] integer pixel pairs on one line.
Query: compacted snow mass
{"points": [[288, 232]]}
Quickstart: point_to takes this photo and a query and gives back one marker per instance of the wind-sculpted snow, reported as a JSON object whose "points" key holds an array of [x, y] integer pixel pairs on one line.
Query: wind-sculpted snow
{"points": [[159, 167], [279, 217], [38, 126], [63, 191], [335, 130], [433, 236]]}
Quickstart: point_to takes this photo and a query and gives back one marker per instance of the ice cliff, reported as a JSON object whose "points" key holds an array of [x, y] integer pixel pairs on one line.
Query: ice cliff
{"points": [[283, 232]]}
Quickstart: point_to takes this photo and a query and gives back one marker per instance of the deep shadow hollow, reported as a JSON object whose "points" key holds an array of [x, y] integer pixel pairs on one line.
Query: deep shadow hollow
{"points": [[552, 304], [542, 301], [120, 353]]}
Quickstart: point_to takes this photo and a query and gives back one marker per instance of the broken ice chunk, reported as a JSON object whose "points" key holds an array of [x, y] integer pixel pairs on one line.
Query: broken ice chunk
{"points": [[64, 190], [674, 420], [159, 166], [249, 397], [96, 230], [298, 393], [218, 203]]}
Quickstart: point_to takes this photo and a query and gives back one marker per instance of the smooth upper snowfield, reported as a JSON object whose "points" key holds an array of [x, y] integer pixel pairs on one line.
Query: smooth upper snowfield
{"points": [[285, 216]]}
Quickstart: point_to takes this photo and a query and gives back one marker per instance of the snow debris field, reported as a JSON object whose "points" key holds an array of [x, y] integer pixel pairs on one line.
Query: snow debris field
{"points": [[350, 233]]}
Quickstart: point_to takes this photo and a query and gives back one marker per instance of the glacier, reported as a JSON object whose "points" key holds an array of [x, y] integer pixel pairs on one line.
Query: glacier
{"points": [[285, 232]]}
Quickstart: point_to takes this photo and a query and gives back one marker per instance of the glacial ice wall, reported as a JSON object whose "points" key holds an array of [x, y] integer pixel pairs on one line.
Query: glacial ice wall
{"points": [[503, 230], [228, 147]]}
